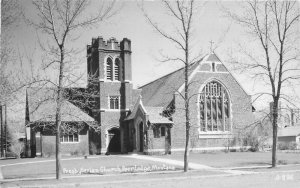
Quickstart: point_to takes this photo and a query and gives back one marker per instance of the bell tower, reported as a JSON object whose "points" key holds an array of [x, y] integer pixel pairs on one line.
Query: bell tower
{"points": [[109, 72], [100, 51]]}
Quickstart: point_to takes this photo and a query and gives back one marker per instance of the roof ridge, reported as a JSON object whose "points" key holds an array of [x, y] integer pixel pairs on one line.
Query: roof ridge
{"points": [[233, 76], [153, 106], [160, 77], [169, 74]]}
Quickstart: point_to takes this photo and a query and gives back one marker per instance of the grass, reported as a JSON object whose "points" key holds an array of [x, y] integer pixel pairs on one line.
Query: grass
{"points": [[45, 167], [237, 159], [100, 165]]}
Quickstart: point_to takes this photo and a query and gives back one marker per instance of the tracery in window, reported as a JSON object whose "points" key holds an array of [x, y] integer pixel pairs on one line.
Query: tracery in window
{"points": [[214, 108]]}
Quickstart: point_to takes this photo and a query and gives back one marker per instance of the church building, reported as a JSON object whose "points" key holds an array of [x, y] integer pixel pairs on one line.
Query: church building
{"points": [[148, 120]]}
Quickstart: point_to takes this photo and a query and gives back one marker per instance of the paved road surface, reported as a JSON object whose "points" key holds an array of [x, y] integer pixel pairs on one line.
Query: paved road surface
{"points": [[281, 178]]}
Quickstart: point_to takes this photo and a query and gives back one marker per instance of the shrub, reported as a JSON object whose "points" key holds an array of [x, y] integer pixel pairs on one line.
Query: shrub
{"points": [[252, 141], [282, 146], [253, 149], [287, 146], [17, 147], [292, 146], [75, 153], [282, 162], [228, 143]]}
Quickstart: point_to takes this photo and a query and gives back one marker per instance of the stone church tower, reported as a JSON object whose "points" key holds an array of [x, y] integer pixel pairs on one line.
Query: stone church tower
{"points": [[110, 73]]}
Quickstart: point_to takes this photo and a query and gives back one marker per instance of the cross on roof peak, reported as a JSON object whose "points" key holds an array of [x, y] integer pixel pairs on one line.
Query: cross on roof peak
{"points": [[211, 46]]}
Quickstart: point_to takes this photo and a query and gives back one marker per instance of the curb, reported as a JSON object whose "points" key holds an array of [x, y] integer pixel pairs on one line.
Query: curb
{"points": [[256, 167], [99, 175], [1, 175], [125, 181]]}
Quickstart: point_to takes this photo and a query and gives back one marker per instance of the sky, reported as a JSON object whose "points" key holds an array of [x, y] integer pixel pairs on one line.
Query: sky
{"points": [[210, 24]]}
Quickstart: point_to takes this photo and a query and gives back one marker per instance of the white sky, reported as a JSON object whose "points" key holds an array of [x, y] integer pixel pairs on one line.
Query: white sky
{"points": [[209, 24]]}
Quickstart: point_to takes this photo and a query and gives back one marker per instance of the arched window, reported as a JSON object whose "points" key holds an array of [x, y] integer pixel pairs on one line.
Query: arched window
{"points": [[214, 108], [109, 69], [117, 69], [213, 67]]}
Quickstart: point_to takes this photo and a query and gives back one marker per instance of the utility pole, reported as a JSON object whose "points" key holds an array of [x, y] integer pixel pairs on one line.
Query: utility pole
{"points": [[1, 123], [5, 129]]}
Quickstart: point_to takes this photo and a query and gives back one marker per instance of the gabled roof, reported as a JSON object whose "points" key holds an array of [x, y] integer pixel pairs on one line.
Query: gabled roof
{"points": [[138, 104], [42, 107], [160, 91], [289, 131], [155, 116], [154, 113], [213, 58]]}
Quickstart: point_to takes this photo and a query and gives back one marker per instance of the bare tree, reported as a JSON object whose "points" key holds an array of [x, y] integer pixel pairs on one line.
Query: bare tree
{"points": [[10, 14], [59, 20], [183, 13], [275, 27]]}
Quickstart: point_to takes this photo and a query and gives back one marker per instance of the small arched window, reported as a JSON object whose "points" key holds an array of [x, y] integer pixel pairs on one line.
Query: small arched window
{"points": [[214, 67], [214, 108], [109, 69], [117, 69]]}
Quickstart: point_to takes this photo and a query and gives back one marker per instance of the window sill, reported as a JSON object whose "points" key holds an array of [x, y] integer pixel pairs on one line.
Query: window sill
{"points": [[215, 134], [113, 81], [70, 142]]}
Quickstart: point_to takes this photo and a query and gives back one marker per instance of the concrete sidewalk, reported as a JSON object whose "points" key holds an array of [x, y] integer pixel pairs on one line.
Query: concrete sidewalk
{"points": [[193, 166]]}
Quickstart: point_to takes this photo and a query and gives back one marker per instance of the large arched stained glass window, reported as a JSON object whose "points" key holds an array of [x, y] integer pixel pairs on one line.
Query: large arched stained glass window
{"points": [[214, 108], [109, 69]]}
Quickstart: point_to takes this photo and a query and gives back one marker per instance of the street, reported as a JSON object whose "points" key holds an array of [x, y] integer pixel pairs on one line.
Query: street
{"points": [[280, 177]]}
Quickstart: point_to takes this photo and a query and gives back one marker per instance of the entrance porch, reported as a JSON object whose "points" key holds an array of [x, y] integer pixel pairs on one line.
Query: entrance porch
{"points": [[148, 131]]}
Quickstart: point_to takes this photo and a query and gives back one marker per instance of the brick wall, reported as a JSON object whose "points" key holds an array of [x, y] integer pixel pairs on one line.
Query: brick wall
{"points": [[112, 118], [80, 148], [155, 145], [99, 50], [241, 109]]}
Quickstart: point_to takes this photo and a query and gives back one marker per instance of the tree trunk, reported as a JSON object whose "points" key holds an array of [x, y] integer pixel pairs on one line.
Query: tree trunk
{"points": [[187, 112], [187, 139], [58, 113], [274, 125], [57, 153]]}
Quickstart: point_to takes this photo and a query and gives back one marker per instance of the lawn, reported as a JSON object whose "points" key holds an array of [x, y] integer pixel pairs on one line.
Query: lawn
{"points": [[114, 164], [92, 165], [237, 159]]}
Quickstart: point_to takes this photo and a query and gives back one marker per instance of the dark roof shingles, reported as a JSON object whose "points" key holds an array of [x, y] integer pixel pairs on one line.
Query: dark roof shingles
{"points": [[160, 91], [42, 107], [155, 116]]}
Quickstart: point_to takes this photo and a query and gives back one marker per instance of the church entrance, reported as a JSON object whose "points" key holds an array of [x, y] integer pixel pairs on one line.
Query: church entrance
{"points": [[141, 130], [114, 141]]}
